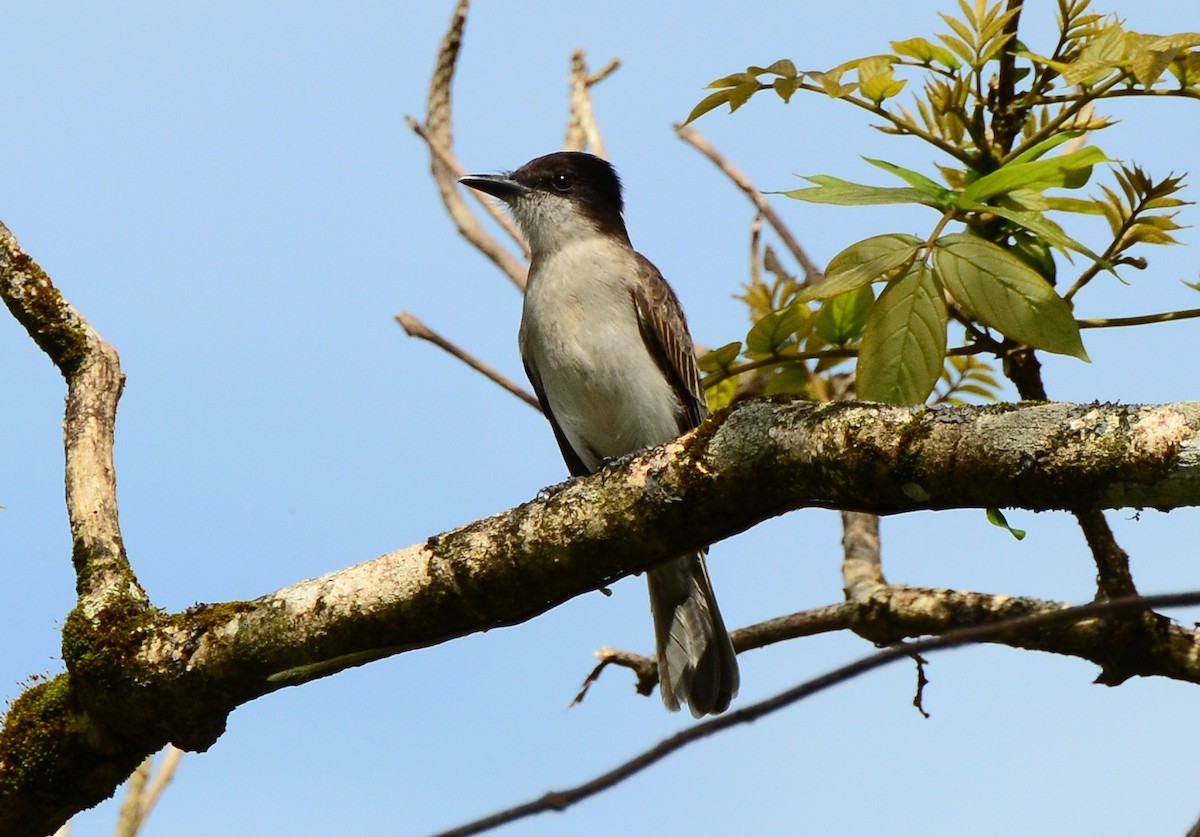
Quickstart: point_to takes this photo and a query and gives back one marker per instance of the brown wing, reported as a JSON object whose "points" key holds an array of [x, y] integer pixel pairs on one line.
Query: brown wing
{"points": [[665, 331]]}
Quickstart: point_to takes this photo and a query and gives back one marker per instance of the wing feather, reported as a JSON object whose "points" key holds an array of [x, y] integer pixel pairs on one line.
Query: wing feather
{"points": [[660, 317]]}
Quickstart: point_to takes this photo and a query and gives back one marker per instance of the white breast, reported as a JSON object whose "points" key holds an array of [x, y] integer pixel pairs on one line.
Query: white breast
{"points": [[580, 336]]}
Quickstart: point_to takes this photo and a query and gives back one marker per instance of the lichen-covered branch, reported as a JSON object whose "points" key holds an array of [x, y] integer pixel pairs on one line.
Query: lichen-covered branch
{"points": [[139, 678], [94, 381]]}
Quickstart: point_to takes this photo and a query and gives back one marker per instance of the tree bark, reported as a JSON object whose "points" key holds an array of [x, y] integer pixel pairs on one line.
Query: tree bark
{"points": [[139, 678]]}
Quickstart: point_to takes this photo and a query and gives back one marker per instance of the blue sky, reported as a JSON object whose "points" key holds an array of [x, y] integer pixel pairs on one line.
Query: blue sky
{"points": [[229, 193]]}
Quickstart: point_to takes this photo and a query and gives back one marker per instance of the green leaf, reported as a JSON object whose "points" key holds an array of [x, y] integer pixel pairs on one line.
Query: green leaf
{"points": [[709, 102], [720, 394], [831, 83], [785, 87], [915, 179], [1180, 40], [1038, 149], [1004, 293], [904, 344], [1047, 229], [875, 79], [925, 52], [792, 379], [842, 317], [775, 331], [863, 263], [716, 362], [1067, 170], [840, 192], [735, 80], [783, 67], [1035, 252], [996, 518], [720, 359], [881, 87], [1148, 64]]}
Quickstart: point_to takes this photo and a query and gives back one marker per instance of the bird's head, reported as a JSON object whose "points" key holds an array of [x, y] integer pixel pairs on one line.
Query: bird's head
{"points": [[560, 197]]}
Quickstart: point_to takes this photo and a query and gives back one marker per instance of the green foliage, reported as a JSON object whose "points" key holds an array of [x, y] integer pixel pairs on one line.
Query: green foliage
{"points": [[905, 340], [842, 318], [964, 377], [997, 518], [1012, 127], [717, 364], [999, 290]]}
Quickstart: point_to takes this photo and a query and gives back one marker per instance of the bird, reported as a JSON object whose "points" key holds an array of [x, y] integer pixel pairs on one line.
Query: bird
{"points": [[606, 347]]}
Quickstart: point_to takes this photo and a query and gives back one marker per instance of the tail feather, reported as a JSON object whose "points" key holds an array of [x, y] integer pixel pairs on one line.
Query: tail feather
{"points": [[696, 663]]}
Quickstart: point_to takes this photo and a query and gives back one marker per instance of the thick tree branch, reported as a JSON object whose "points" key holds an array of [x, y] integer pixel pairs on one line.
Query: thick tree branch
{"points": [[142, 678]]}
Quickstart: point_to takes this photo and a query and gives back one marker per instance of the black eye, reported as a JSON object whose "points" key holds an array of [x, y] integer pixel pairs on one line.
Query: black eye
{"points": [[561, 182]]}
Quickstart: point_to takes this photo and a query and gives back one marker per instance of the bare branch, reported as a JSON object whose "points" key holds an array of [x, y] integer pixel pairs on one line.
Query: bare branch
{"points": [[561, 800], [756, 256], [143, 789], [415, 328], [94, 383], [862, 568], [438, 137], [1144, 319], [446, 157], [1113, 578], [129, 817], [582, 129], [692, 137], [161, 778], [818, 620], [645, 668]]}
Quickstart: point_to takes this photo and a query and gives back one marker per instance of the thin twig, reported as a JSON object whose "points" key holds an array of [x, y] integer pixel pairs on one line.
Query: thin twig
{"points": [[415, 328], [1113, 577], [129, 817], [438, 137], [862, 567], [755, 249], [818, 620], [466, 223], [161, 778], [692, 137], [1143, 319], [560, 800], [446, 157], [582, 129]]}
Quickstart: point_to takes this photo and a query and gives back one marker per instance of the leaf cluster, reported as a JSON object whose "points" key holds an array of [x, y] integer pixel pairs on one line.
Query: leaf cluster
{"points": [[1012, 127]]}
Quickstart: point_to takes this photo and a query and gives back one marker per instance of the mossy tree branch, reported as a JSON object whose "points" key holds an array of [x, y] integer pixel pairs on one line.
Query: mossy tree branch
{"points": [[175, 677], [138, 678]]}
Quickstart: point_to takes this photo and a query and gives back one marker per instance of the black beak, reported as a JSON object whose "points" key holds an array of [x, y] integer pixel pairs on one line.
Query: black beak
{"points": [[498, 185]]}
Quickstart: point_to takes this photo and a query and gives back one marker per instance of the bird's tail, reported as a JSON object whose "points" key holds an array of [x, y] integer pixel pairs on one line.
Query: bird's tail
{"points": [[696, 664]]}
